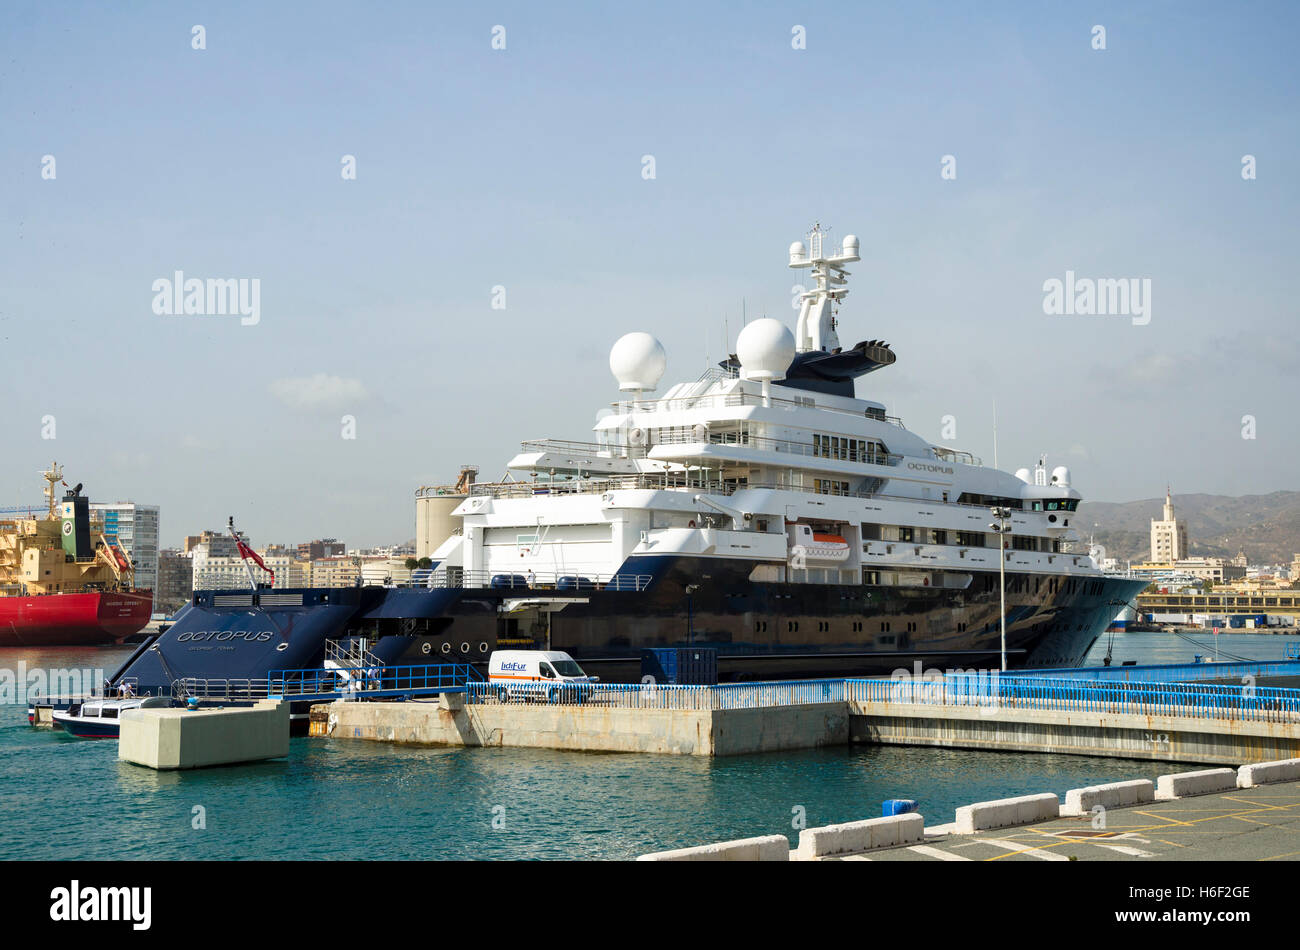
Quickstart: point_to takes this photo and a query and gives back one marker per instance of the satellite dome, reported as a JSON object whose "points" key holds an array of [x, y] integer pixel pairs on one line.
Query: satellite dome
{"points": [[798, 252], [1023, 475], [765, 349], [851, 244], [1061, 476], [637, 361]]}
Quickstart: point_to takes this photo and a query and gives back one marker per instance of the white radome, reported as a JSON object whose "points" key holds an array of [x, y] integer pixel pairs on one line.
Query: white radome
{"points": [[637, 361], [1023, 475], [798, 252], [765, 349], [1061, 476]]}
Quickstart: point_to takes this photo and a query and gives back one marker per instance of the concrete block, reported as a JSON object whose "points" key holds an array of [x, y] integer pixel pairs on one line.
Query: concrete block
{"points": [[1262, 773], [1203, 782], [185, 739], [856, 836], [1081, 801], [766, 848], [452, 701], [1007, 812]]}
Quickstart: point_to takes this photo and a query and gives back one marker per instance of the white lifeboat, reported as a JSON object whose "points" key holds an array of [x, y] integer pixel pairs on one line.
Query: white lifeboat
{"points": [[807, 545]]}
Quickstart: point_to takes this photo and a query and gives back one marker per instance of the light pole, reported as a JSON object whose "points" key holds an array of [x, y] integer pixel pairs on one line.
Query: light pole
{"points": [[690, 613], [1002, 527]]}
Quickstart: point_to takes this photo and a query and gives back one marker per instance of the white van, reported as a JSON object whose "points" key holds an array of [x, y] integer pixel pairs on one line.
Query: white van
{"points": [[536, 674]]}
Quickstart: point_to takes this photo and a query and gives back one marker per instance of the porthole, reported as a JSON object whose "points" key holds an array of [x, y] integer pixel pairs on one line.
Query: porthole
{"points": [[282, 647], [446, 648], [482, 648], [426, 647], [464, 647]]}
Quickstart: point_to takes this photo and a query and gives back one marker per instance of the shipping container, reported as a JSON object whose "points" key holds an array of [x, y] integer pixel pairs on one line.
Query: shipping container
{"points": [[684, 666]]}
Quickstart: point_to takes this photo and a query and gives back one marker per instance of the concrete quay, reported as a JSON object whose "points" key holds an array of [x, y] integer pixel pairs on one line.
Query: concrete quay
{"points": [[612, 726], [449, 721], [1071, 731]]}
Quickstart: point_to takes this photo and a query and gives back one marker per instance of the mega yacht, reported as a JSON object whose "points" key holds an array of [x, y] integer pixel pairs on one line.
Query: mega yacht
{"points": [[763, 510]]}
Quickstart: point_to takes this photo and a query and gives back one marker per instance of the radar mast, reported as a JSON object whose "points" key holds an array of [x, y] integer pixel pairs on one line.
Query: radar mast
{"points": [[816, 327]]}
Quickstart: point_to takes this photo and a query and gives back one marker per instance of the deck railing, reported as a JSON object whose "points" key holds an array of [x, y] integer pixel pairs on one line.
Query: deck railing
{"points": [[572, 581], [358, 682]]}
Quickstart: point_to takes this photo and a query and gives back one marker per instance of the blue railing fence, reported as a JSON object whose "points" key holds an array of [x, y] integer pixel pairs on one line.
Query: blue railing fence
{"points": [[1243, 701], [1174, 672], [662, 696], [1006, 691], [982, 689]]}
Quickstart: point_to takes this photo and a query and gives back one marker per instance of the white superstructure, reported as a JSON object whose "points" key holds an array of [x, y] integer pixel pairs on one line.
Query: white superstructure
{"points": [[755, 461]]}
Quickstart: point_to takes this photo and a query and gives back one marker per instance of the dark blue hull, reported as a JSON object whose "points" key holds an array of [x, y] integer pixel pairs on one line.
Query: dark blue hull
{"points": [[761, 630], [90, 728]]}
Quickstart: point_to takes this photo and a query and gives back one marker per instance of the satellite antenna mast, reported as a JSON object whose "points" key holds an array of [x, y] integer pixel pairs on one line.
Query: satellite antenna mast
{"points": [[816, 327], [53, 475]]}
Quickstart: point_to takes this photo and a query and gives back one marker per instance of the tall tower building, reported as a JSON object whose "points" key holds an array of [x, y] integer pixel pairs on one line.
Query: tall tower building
{"points": [[136, 529], [1168, 537]]}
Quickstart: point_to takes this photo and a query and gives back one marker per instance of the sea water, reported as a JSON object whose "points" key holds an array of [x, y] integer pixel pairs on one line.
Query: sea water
{"points": [[63, 798]]}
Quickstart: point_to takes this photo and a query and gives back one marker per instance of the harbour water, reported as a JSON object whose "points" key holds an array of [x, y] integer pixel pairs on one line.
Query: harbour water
{"points": [[63, 798]]}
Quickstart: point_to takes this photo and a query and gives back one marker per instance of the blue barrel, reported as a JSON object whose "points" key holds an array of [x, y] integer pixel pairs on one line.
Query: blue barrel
{"points": [[897, 806]]}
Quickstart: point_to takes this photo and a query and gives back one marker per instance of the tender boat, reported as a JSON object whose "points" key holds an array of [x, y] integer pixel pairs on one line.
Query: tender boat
{"points": [[101, 718]]}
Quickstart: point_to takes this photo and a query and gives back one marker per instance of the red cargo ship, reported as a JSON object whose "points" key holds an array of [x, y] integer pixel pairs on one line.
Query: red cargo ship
{"points": [[73, 619], [63, 582]]}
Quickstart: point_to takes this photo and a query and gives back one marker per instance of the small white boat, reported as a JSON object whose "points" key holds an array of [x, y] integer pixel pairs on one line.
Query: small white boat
{"points": [[101, 718]]}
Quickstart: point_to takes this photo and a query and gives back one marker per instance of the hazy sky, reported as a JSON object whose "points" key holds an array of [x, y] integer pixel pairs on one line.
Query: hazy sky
{"points": [[522, 168]]}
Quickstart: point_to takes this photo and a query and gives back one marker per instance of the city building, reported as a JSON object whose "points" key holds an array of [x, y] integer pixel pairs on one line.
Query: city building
{"points": [[231, 572], [338, 571], [326, 547], [175, 581], [1214, 569], [136, 529], [218, 544], [1168, 537]]}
